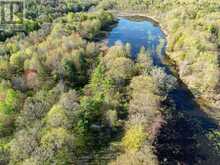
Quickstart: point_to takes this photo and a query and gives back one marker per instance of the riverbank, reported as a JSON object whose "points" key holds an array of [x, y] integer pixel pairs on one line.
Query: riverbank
{"points": [[193, 43], [140, 107], [189, 125], [202, 100]]}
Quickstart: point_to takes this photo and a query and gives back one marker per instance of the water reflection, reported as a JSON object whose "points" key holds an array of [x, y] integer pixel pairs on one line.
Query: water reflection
{"points": [[183, 140], [139, 32]]}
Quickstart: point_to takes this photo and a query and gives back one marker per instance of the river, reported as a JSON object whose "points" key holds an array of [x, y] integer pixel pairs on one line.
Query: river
{"points": [[183, 139]]}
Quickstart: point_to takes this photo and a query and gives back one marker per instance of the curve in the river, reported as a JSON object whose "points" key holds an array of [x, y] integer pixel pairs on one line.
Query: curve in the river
{"points": [[138, 33], [183, 139]]}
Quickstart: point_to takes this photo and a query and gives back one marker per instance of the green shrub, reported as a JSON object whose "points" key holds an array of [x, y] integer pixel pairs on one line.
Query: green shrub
{"points": [[144, 61], [56, 117], [134, 138], [55, 138]]}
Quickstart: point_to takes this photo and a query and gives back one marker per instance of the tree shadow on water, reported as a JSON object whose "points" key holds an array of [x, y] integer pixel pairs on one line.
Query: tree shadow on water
{"points": [[183, 140]]}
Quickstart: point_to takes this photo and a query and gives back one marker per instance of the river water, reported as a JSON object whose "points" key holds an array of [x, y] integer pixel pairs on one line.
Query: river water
{"points": [[183, 139], [139, 32]]}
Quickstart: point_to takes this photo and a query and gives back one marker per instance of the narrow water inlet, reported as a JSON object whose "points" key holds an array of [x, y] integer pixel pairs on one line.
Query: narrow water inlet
{"points": [[183, 139]]}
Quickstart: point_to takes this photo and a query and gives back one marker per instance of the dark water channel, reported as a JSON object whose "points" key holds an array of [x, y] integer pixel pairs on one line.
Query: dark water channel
{"points": [[182, 140]]}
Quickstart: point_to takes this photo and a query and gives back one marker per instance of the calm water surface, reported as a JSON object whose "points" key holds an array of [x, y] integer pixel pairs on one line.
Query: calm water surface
{"points": [[179, 140], [139, 32]]}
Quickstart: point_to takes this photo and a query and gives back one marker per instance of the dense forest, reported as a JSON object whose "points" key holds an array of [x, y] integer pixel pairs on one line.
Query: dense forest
{"points": [[66, 98]]}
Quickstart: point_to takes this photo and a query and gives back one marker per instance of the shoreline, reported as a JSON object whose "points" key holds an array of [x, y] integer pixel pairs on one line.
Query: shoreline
{"points": [[202, 98], [199, 107], [151, 18]]}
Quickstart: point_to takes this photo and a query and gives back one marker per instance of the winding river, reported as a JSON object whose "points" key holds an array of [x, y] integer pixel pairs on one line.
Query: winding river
{"points": [[182, 140]]}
